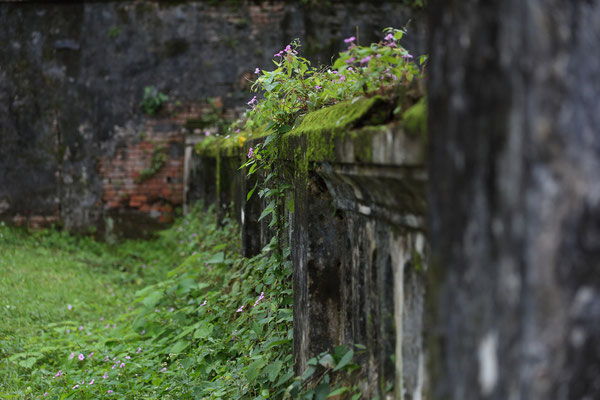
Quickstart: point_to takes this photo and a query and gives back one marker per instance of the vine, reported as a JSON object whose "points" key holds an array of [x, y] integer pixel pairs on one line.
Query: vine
{"points": [[157, 161]]}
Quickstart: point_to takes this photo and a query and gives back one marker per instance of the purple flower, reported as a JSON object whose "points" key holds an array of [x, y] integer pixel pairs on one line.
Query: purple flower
{"points": [[69, 307], [46, 394], [109, 391], [81, 357], [407, 55], [107, 326], [350, 39], [91, 354], [127, 357], [72, 356], [122, 365], [389, 37], [237, 130], [143, 332], [114, 366], [350, 69], [138, 350], [164, 369], [203, 304], [68, 331], [75, 387], [101, 318], [366, 59], [342, 79], [257, 71], [250, 155], [350, 60], [253, 101], [206, 133], [262, 296], [91, 382], [59, 373], [80, 328], [240, 309], [171, 309], [278, 54], [318, 87], [105, 376]]}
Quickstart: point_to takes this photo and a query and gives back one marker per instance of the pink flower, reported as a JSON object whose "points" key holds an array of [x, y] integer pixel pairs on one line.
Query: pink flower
{"points": [[69, 307], [91, 354], [317, 87], [80, 328], [366, 59], [46, 394], [350, 69], [68, 331], [81, 357], [253, 101], [75, 387], [127, 358], [105, 376], [122, 365], [207, 133], [143, 332], [164, 369], [171, 309], [389, 37], [342, 79], [109, 391], [350, 39], [257, 71], [203, 304], [350, 60], [107, 326], [114, 366], [72, 356], [59, 373], [240, 309], [237, 130], [138, 350], [91, 382], [250, 155]]}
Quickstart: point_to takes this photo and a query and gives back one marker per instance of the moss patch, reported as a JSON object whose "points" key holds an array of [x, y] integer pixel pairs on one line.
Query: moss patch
{"points": [[415, 118]]}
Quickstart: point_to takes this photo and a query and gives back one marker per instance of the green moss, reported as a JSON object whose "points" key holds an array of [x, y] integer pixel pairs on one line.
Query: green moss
{"points": [[415, 118]]}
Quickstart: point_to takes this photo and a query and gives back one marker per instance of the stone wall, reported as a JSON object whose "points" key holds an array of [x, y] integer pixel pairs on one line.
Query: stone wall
{"points": [[73, 74], [356, 236]]}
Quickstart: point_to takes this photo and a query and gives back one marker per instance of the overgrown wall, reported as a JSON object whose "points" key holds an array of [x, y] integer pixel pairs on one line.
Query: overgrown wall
{"points": [[356, 236], [73, 73]]}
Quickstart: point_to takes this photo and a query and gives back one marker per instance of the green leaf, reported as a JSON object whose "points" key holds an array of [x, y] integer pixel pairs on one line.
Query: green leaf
{"points": [[274, 369], [308, 372], [338, 391], [327, 361], [180, 346], [152, 299], [254, 369], [344, 361], [322, 391], [204, 331], [216, 258], [251, 191]]}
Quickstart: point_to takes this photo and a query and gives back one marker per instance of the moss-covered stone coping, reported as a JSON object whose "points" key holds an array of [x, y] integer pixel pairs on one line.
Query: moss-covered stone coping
{"points": [[354, 131]]}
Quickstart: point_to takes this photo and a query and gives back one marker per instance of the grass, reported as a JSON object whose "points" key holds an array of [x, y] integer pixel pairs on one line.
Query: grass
{"points": [[49, 278]]}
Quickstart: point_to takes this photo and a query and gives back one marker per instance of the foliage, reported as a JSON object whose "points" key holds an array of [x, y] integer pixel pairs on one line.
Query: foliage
{"points": [[157, 161], [153, 100], [295, 88]]}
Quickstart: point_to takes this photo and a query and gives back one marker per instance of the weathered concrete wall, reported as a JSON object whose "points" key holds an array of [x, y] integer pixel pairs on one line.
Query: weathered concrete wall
{"points": [[515, 199], [72, 75], [357, 242]]}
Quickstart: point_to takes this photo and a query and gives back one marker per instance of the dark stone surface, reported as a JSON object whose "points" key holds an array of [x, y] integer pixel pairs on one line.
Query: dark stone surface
{"points": [[72, 75], [515, 200]]}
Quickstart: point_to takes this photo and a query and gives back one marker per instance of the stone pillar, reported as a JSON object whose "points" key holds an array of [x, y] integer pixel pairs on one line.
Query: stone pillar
{"points": [[515, 199]]}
